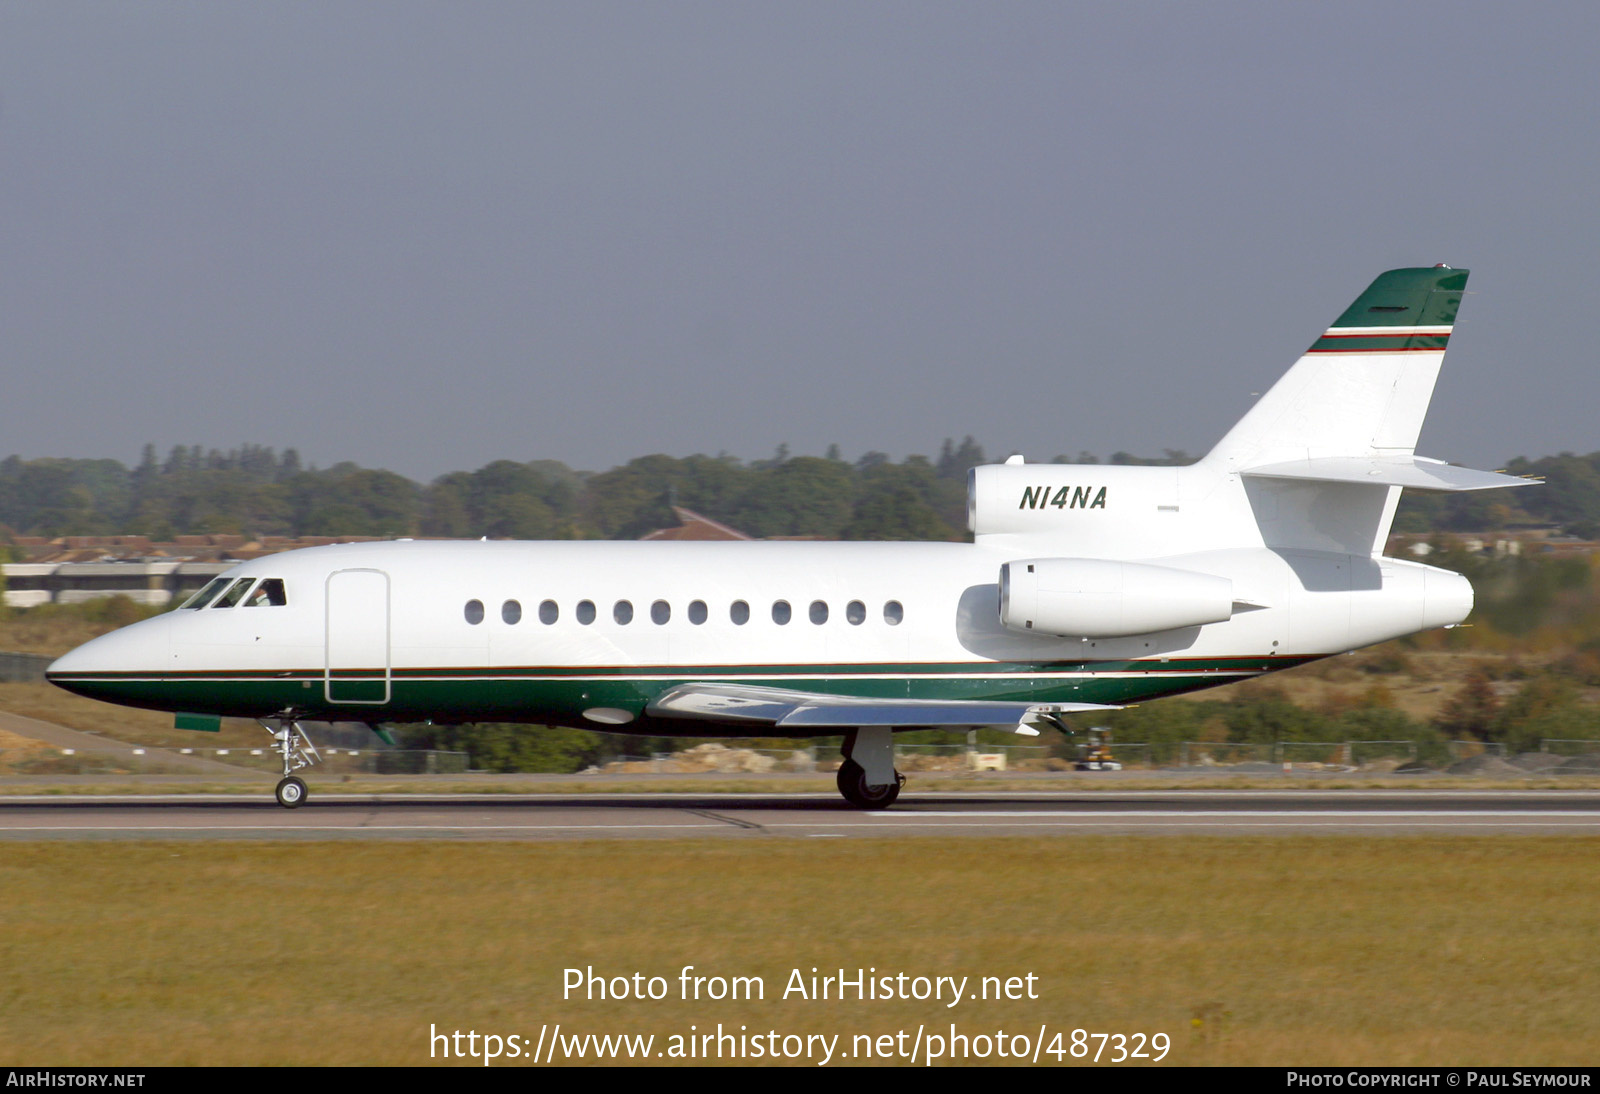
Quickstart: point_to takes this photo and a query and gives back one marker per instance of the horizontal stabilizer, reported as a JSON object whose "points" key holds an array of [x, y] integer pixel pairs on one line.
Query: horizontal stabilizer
{"points": [[742, 704], [1415, 472]]}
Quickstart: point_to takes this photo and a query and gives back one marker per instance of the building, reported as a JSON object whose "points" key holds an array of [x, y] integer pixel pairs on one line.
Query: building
{"points": [[73, 569], [693, 526]]}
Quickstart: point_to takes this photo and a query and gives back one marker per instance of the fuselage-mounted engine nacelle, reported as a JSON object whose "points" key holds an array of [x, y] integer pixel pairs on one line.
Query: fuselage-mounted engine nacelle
{"points": [[1101, 598]]}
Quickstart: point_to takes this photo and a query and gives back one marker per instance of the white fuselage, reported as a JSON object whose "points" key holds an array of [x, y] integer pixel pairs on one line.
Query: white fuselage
{"points": [[458, 631]]}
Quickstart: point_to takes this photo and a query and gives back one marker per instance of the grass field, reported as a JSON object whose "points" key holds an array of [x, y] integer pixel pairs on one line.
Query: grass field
{"points": [[151, 728], [1320, 950], [55, 630]]}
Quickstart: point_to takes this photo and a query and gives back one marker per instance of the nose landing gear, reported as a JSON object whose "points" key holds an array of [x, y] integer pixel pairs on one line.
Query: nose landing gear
{"points": [[291, 743]]}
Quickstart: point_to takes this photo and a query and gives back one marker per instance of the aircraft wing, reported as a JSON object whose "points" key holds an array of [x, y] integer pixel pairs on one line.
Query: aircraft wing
{"points": [[783, 708]]}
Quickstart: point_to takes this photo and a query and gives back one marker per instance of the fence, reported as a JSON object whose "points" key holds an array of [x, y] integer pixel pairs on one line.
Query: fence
{"points": [[1134, 755], [1312, 753], [344, 761], [960, 757], [223, 762], [1562, 756], [1224, 754], [714, 758], [1568, 746], [23, 668], [1366, 752], [1466, 750], [1346, 755], [1343, 754], [119, 761]]}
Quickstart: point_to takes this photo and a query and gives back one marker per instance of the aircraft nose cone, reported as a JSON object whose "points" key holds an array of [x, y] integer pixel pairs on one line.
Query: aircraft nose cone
{"points": [[72, 662], [97, 667]]}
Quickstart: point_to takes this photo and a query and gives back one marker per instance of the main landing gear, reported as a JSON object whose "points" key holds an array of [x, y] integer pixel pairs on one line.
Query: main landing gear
{"points": [[867, 778], [291, 743]]}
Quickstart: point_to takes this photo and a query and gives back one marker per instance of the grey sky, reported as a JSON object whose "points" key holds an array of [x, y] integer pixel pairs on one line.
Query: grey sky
{"points": [[425, 236]]}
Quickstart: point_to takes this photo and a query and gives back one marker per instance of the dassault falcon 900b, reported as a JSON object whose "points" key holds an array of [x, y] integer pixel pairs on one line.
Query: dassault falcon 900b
{"points": [[1085, 586]]}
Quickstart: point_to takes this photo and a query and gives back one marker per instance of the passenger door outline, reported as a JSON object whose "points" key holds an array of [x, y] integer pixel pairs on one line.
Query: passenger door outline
{"points": [[356, 626]]}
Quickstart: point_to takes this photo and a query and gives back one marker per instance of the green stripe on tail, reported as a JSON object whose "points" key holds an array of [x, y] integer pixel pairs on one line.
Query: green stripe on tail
{"points": [[1419, 296]]}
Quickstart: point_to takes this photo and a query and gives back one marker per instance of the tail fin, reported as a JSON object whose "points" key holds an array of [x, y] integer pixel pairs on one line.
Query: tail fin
{"points": [[1363, 388], [1323, 453]]}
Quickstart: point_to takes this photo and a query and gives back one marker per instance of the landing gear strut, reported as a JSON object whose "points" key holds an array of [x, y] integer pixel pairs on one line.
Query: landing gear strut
{"points": [[291, 743], [867, 778]]}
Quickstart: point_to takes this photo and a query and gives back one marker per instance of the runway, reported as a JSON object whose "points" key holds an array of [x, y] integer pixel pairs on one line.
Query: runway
{"points": [[801, 816]]}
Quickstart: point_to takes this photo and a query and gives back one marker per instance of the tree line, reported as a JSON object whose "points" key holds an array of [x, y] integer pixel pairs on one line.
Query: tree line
{"points": [[256, 490], [1569, 500]]}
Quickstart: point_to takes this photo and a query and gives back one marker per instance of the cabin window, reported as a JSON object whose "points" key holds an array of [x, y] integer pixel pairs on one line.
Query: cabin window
{"points": [[235, 594], [697, 612], [856, 613], [622, 612], [893, 613], [548, 612], [585, 612], [739, 612], [781, 612], [269, 593], [203, 597], [660, 612], [511, 611], [819, 612], [474, 612]]}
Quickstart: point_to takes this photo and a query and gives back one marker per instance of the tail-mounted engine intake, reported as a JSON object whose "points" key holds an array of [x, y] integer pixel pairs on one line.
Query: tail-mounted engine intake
{"points": [[1099, 598]]}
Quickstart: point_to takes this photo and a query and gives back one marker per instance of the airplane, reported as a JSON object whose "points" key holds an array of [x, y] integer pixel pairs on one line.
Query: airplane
{"points": [[1085, 587]]}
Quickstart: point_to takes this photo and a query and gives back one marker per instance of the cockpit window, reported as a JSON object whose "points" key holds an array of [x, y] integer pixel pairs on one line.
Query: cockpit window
{"points": [[269, 594], [203, 597], [235, 594]]}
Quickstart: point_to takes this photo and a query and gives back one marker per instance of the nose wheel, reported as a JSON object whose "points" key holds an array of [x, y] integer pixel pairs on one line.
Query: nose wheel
{"points": [[290, 742], [291, 792]]}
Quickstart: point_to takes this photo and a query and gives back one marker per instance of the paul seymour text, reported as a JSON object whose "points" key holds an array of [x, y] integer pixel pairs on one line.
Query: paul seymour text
{"points": [[800, 985]]}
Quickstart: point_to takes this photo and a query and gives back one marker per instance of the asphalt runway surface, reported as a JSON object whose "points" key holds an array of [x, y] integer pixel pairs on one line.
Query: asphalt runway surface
{"points": [[801, 816]]}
